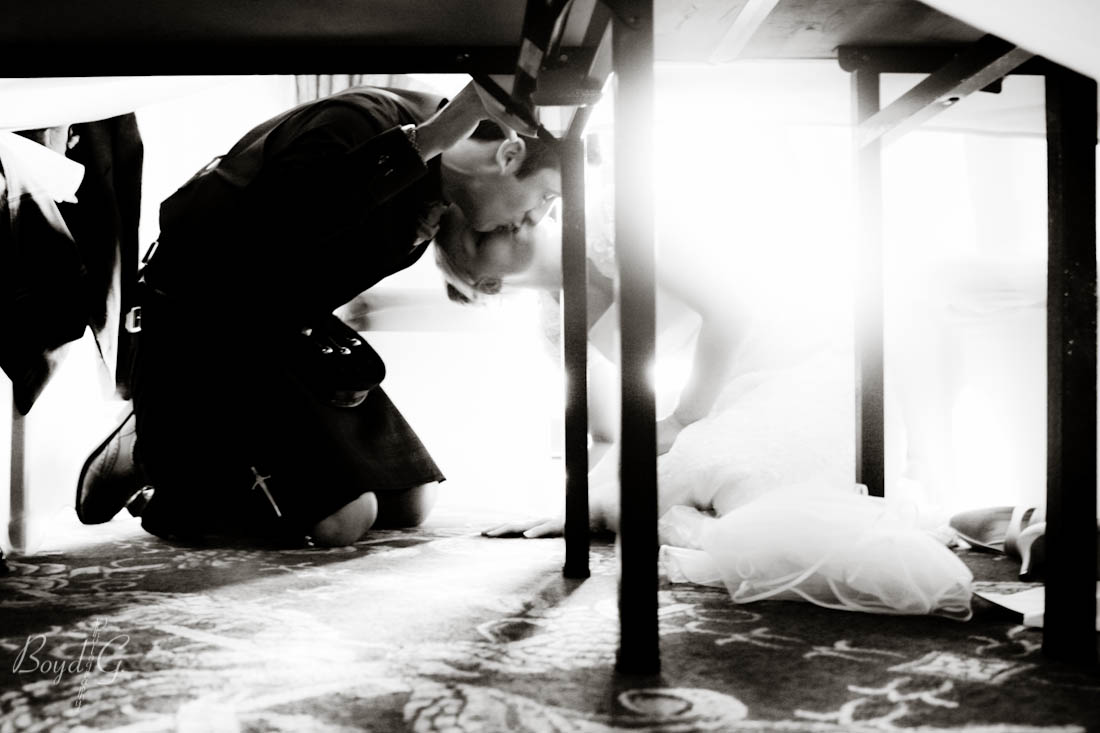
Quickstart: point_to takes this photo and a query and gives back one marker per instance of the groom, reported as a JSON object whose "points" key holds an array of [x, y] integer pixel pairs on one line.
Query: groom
{"points": [[306, 211]]}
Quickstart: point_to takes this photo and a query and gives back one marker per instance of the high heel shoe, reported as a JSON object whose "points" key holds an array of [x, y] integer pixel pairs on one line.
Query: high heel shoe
{"points": [[995, 529], [1031, 546]]}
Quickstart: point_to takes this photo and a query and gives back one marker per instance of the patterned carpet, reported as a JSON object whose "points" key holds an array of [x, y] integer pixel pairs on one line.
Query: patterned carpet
{"points": [[439, 629]]}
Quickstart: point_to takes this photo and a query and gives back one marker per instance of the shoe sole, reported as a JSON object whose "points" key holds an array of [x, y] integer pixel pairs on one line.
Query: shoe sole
{"points": [[88, 464]]}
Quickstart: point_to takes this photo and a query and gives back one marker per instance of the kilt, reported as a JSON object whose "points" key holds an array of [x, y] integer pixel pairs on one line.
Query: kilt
{"points": [[234, 444]]}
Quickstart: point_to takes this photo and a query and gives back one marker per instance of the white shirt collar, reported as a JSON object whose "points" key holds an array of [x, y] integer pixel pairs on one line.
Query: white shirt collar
{"points": [[41, 169]]}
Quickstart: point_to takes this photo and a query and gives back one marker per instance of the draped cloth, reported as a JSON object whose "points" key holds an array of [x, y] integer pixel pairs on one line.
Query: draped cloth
{"points": [[104, 221], [43, 288], [69, 260]]}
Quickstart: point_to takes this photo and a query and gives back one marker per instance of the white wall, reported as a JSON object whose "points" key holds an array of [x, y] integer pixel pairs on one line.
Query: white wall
{"points": [[966, 231], [183, 134], [760, 155]]}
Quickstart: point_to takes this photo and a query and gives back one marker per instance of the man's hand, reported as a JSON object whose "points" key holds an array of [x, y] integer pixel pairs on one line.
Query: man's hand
{"points": [[531, 529]]}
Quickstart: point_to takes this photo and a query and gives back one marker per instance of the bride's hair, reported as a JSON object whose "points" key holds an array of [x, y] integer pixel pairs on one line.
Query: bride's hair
{"points": [[461, 288]]}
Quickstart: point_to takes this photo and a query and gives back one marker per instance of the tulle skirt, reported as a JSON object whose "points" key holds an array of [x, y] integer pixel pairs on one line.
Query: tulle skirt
{"points": [[816, 543], [759, 498]]}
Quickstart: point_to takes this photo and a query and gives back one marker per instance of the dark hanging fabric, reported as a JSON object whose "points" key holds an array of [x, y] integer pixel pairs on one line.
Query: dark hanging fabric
{"points": [[104, 223], [42, 286], [62, 270]]}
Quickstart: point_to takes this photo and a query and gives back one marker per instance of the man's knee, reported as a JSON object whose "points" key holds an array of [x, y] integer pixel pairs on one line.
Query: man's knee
{"points": [[347, 524], [408, 508]]}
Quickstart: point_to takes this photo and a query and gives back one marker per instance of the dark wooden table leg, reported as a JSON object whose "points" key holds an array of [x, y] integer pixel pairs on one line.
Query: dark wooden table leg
{"points": [[1069, 631], [868, 314], [632, 59], [574, 265]]}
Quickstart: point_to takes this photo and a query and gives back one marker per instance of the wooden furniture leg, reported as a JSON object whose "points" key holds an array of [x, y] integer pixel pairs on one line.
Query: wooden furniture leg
{"points": [[1069, 631], [17, 519], [574, 265], [632, 58], [868, 314]]}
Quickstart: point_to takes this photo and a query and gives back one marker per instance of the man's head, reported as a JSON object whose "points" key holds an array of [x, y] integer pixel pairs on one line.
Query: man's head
{"points": [[501, 180]]}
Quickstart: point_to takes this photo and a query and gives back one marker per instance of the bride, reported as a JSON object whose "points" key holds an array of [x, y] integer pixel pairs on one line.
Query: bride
{"points": [[756, 441]]}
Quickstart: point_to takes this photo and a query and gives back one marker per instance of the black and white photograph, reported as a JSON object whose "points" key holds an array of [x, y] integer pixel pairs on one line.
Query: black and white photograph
{"points": [[549, 366]]}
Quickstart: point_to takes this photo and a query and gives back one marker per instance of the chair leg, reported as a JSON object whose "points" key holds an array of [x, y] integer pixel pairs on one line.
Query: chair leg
{"points": [[870, 439], [17, 519]]}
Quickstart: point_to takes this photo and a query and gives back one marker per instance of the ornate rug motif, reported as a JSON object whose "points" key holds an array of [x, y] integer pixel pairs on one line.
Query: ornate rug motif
{"points": [[439, 629]]}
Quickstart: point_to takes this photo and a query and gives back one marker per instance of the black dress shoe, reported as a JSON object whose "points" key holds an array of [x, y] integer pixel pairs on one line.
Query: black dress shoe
{"points": [[109, 478]]}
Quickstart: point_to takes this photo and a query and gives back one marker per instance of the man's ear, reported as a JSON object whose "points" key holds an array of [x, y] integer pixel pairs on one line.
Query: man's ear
{"points": [[510, 155], [73, 138]]}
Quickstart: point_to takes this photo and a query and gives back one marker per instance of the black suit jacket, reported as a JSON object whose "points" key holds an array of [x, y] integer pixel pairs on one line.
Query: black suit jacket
{"points": [[306, 211]]}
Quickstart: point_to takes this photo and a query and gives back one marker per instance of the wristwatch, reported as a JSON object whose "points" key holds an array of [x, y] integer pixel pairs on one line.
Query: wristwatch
{"points": [[410, 135]]}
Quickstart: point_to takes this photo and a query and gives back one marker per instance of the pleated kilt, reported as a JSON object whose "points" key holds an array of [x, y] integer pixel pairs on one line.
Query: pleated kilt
{"points": [[234, 443]]}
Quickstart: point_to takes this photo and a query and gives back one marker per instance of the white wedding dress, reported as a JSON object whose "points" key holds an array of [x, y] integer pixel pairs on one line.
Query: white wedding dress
{"points": [[759, 496]]}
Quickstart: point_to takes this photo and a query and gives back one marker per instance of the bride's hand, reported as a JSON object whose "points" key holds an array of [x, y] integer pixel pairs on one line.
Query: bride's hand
{"points": [[530, 528]]}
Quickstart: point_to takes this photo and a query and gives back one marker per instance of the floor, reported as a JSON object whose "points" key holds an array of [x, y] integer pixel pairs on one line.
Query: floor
{"points": [[439, 629]]}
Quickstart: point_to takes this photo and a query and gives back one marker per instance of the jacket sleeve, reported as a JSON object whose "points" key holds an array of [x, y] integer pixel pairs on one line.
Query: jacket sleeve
{"points": [[322, 203]]}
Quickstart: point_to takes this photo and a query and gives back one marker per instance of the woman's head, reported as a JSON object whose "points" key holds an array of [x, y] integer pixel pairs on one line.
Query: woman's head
{"points": [[475, 263]]}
